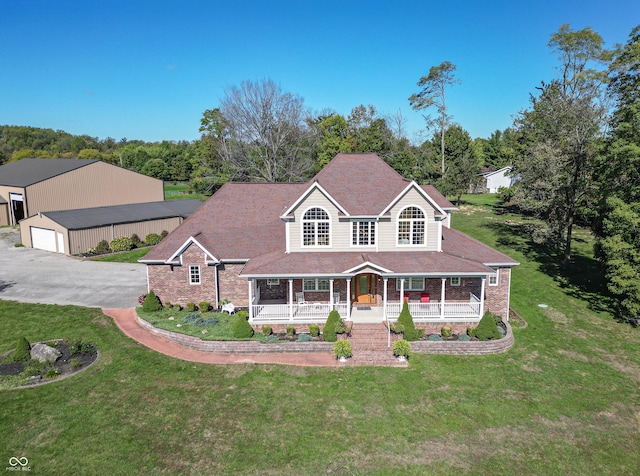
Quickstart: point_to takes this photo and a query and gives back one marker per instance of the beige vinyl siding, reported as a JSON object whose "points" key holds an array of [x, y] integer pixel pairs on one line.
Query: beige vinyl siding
{"points": [[81, 240], [95, 185], [388, 228], [340, 230]]}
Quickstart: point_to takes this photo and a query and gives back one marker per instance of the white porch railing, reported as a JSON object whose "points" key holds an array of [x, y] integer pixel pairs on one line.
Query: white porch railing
{"points": [[310, 312], [434, 310]]}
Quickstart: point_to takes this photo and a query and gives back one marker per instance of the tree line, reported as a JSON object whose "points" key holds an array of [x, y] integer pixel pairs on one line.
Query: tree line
{"points": [[575, 149]]}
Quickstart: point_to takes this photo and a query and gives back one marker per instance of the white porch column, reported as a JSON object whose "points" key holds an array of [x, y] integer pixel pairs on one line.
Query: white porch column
{"points": [[384, 298], [291, 299], [482, 296], [331, 302], [348, 299], [401, 293], [444, 281], [250, 283]]}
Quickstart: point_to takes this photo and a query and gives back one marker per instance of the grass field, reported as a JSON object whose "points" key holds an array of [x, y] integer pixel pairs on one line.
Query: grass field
{"points": [[562, 401], [179, 191]]}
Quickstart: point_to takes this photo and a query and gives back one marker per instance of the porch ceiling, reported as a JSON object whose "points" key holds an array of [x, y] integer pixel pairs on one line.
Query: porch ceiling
{"points": [[336, 263]]}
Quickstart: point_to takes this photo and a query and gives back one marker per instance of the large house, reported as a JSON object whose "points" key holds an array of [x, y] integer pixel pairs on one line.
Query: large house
{"points": [[358, 236]]}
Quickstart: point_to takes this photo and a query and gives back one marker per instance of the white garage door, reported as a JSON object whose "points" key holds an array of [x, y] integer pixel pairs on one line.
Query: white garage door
{"points": [[43, 239]]}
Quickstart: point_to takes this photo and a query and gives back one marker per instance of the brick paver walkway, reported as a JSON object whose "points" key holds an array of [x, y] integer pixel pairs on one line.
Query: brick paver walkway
{"points": [[126, 320]]}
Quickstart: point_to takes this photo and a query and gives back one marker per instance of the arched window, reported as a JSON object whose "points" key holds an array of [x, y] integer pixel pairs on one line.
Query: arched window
{"points": [[411, 225], [315, 227]]}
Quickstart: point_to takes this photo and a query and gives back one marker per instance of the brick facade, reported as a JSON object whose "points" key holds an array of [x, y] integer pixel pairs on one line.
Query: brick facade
{"points": [[497, 297], [231, 285], [172, 283]]}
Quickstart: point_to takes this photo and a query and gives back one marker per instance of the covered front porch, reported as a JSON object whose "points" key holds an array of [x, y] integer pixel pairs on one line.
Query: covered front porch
{"points": [[368, 295]]}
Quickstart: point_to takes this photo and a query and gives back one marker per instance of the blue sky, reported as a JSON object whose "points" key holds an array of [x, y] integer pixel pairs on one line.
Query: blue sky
{"points": [[148, 69]]}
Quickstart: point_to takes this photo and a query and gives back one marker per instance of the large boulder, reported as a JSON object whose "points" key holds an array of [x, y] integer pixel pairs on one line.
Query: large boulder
{"points": [[44, 353]]}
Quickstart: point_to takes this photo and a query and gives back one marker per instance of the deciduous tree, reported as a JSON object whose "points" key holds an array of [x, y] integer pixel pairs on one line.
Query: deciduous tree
{"points": [[560, 133], [432, 94]]}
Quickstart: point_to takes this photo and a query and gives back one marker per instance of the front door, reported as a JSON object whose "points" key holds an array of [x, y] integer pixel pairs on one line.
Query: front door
{"points": [[365, 288]]}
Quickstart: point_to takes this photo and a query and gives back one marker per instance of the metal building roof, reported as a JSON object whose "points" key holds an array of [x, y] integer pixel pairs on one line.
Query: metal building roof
{"points": [[26, 172], [103, 216]]}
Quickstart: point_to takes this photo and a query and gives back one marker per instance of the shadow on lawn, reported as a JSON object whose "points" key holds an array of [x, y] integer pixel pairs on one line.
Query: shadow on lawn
{"points": [[581, 279]]}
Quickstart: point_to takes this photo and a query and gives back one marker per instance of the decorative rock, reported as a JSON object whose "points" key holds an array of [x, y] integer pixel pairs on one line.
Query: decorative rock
{"points": [[44, 353]]}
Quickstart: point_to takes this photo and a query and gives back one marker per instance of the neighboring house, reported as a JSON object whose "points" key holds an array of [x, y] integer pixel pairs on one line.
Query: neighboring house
{"points": [[75, 231], [30, 186], [357, 234], [493, 181]]}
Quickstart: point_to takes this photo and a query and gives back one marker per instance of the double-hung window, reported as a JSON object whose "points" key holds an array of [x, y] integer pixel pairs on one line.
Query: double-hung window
{"points": [[316, 227], [194, 274], [411, 284], [493, 278], [363, 233], [411, 226], [316, 285]]}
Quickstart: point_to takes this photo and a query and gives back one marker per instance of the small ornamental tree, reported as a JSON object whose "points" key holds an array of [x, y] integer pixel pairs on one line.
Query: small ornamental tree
{"points": [[329, 329], [406, 321], [151, 303], [241, 328], [22, 350], [487, 329]]}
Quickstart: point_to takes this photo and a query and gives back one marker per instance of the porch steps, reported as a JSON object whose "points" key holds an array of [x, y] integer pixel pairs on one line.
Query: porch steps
{"points": [[369, 345]]}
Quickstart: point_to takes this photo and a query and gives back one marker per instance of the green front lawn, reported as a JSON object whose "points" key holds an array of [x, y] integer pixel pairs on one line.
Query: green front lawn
{"points": [[125, 257], [563, 400]]}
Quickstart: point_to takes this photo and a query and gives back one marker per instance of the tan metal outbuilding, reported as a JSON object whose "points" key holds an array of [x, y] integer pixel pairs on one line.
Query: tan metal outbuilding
{"points": [[75, 231], [30, 186]]}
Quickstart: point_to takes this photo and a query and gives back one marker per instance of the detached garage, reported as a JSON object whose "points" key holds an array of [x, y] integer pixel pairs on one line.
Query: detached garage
{"points": [[75, 231]]}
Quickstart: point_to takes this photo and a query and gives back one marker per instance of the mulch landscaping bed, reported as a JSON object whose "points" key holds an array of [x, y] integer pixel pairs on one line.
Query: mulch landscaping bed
{"points": [[67, 364]]}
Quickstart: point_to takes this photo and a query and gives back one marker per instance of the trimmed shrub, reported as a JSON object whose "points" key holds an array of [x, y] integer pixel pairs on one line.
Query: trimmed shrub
{"points": [[314, 330], [204, 306], [79, 347], [401, 347], [396, 327], [487, 329], [329, 329], [177, 307], [291, 331], [446, 331], [151, 303], [434, 338], [272, 339], [406, 321], [121, 244], [304, 338], [103, 247], [342, 348], [22, 351], [152, 239], [191, 307], [164, 234], [266, 330], [135, 239], [464, 337], [471, 331], [168, 306], [241, 328]]}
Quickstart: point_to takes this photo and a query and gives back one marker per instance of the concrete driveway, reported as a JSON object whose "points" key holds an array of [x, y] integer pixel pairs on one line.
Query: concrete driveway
{"points": [[37, 276]]}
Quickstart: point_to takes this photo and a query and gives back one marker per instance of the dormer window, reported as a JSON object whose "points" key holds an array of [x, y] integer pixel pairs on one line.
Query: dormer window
{"points": [[411, 226], [315, 227]]}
